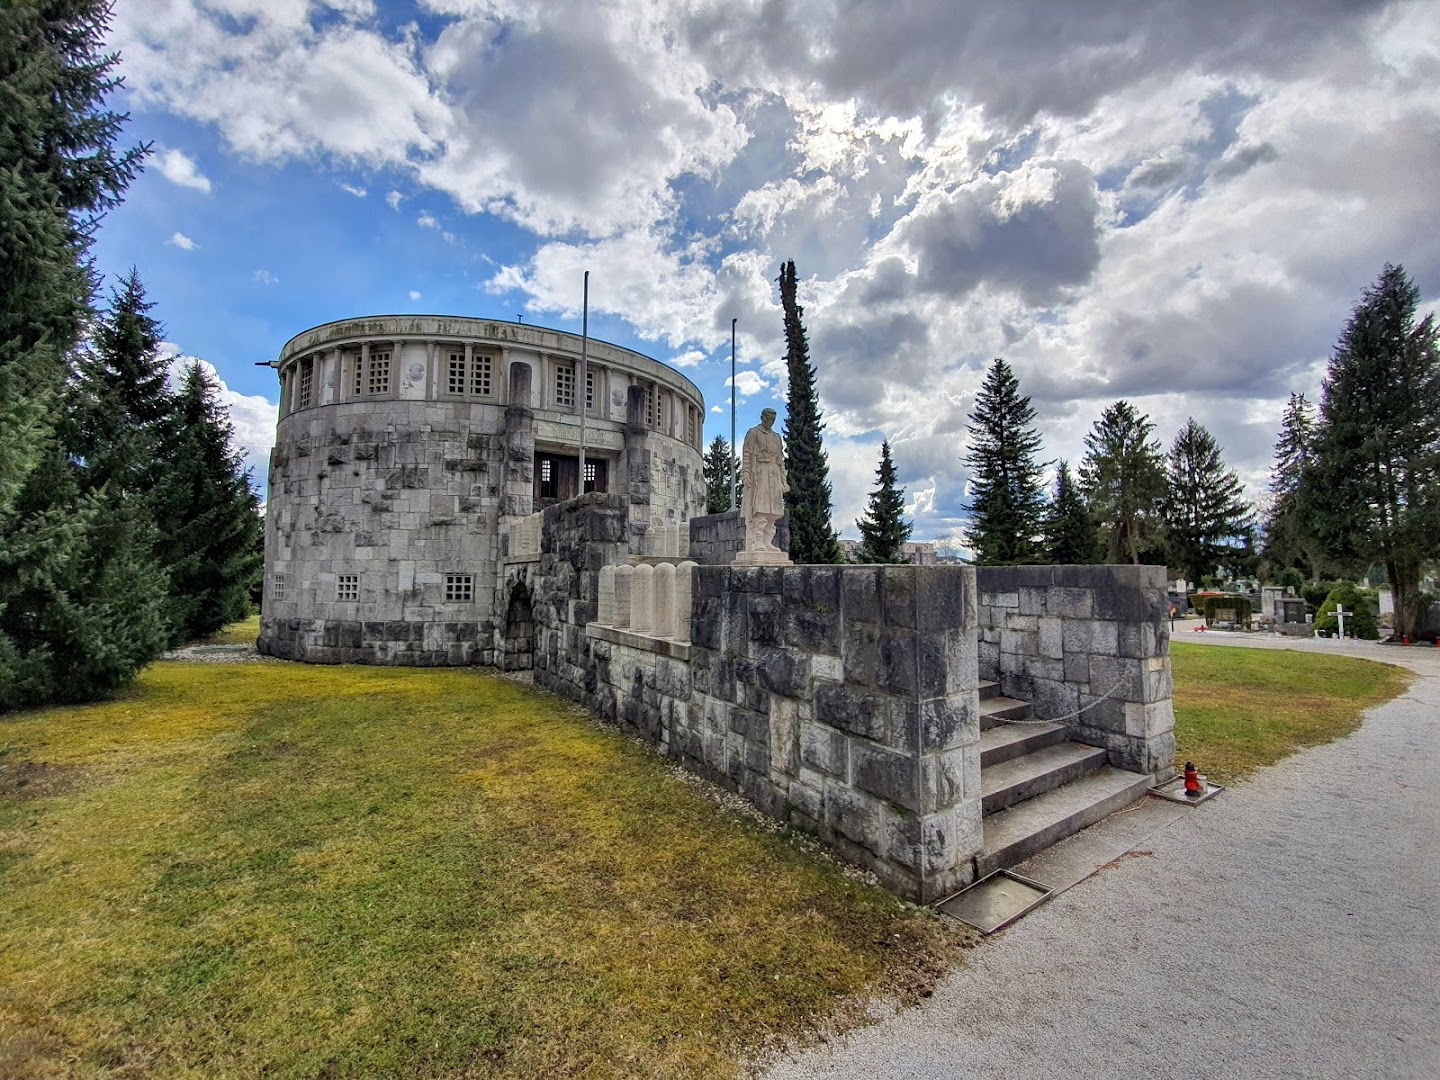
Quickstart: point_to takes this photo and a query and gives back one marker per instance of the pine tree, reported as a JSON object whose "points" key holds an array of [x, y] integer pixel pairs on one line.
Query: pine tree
{"points": [[1207, 519], [1123, 476], [1373, 493], [1007, 502], [808, 502], [209, 516], [1287, 543], [718, 463], [1069, 530], [883, 529]]}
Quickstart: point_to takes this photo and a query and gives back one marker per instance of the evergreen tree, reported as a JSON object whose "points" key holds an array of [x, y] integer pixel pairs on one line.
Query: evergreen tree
{"points": [[807, 503], [718, 463], [209, 517], [883, 529], [1069, 530], [1287, 543], [1007, 502], [1207, 520], [79, 600], [1123, 475], [1373, 493]]}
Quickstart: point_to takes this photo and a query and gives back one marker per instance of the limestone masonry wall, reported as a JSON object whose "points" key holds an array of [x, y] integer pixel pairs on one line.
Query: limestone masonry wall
{"points": [[716, 539], [1086, 640]]}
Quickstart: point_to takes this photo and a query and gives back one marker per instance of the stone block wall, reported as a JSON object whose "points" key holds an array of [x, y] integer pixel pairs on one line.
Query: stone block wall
{"points": [[716, 539], [1088, 646]]}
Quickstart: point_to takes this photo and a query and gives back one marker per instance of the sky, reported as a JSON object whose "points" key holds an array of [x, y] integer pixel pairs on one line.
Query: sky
{"points": [[1172, 202]]}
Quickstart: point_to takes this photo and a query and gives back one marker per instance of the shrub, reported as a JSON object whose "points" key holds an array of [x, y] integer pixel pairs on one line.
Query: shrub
{"points": [[1315, 592], [1228, 602], [1361, 625], [1293, 579]]}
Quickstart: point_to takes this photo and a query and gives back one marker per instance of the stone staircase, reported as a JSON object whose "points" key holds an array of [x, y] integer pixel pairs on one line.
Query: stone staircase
{"points": [[1037, 786]]}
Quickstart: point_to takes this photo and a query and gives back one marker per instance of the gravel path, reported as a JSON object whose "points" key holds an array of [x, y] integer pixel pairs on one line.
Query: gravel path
{"points": [[1288, 928]]}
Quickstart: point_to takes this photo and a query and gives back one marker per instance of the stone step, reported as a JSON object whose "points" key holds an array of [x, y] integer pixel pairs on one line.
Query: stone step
{"points": [[1013, 835], [998, 708], [1005, 741], [1035, 773], [989, 689]]}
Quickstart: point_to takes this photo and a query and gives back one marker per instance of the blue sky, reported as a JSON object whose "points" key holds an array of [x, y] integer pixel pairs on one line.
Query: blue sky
{"points": [[1177, 206]]}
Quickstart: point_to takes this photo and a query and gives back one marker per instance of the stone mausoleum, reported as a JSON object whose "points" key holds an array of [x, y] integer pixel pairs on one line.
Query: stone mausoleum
{"points": [[932, 723]]}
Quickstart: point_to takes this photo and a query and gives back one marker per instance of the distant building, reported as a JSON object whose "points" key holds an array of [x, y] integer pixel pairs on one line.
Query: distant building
{"points": [[918, 553]]}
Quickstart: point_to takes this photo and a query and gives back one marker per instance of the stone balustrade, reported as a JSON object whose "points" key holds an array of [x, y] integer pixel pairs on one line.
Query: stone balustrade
{"points": [[649, 600]]}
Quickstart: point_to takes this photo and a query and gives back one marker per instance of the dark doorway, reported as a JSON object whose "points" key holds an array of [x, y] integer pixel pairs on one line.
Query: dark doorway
{"points": [[519, 650], [557, 477]]}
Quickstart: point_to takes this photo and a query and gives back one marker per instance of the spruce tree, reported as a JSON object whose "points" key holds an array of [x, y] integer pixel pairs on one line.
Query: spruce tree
{"points": [[1007, 502], [208, 515], [808, 502], [1373, 493], [718, 463], [1123, 476], [1287, 541], [1207, 518], [883, 529], [1070, 535]]}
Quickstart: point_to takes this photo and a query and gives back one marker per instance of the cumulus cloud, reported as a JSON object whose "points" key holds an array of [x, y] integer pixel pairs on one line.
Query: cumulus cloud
{"points": [[179, 169], [748, 383], [392, 199], [427, 220], [181, 241], [414, 294]]}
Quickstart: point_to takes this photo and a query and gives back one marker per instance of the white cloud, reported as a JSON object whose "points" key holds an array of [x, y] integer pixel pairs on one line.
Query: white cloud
{"points": [[427, 220], [748, 383], [392, 199], [181, 241], [687, 359], [252, 416], [179, 169], [264, 277], [353, 189], [416, 296]]}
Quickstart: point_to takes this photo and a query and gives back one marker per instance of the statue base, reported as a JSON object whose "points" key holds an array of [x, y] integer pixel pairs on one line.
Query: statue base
{"points": [[761, 558]]}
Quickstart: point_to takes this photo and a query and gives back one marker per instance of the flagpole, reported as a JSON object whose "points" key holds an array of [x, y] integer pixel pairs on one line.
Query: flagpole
{"points": [[581, 390], [734, 500]]}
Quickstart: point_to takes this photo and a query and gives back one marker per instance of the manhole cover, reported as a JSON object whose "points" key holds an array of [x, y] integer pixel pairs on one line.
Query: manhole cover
{"points": [[995, 901], [1174, 790]]}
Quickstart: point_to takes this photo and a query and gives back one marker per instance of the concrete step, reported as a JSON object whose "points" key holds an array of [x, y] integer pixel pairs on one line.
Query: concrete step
{"points": [[1012, 835], [998, 708], [988, 689], [1035, 773], [1005, 741]]}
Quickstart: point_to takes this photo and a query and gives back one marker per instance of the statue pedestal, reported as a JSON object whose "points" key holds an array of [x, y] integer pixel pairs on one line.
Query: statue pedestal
{"points": [[761, 558]]}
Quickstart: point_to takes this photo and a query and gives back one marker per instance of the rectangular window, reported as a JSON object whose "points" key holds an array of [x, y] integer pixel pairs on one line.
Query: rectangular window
{"points": [[589, 389], [459, 588], [455, 381], [565, 386], [650, 414], [347, 587], [307, 382], [379, 374], [359, 369], [690, 424], [480, 376], [591, 474], [277, 587]]}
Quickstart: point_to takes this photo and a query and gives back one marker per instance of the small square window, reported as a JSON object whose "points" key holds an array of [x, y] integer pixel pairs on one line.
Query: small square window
{"points": [[455, 383], [347, 587], [277, 587], [565, 385], [480, 376], [459, 588]]}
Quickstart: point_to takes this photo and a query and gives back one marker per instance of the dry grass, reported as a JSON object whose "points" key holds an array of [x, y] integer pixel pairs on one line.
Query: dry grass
{"points": [[292, 870], [1238, 709]]}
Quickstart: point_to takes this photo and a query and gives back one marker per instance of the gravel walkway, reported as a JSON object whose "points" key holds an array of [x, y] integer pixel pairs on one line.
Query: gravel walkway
{"points": [[1288, 928]]}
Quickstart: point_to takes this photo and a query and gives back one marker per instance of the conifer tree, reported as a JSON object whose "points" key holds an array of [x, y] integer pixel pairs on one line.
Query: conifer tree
{"points": [[1123, 476], [1207, 519], [718, 463], [883, 529], [808, 502], [1069, 530], [209, 516], [1007, 502], [1287, 543], [1373, 493]]}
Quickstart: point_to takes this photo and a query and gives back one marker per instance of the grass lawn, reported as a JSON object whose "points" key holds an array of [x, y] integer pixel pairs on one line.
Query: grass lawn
{"points": [[1238, 709], [239, 633], [294, 870]]}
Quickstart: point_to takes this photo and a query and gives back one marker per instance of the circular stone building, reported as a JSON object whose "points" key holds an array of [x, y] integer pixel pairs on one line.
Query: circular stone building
{"points": [[406, 442]]}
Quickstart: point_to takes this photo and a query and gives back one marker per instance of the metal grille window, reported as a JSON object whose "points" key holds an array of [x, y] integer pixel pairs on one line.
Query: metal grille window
{"points": [[565, 385], [455, 382], [307, 382], [379, 374], [650, 411], [347, 587], [277, 587], [590, 389], [358, 367], [459, 588], [591, 473], [690, 424], [545, 475], [480, 376]]}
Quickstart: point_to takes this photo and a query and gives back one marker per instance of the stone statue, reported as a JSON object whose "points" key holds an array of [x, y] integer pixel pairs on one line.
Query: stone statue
{"points": [[762, 502]]}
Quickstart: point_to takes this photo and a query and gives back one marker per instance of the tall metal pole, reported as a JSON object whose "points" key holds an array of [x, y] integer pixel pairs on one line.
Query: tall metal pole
{"points": [[584, 371], [734, 500]]}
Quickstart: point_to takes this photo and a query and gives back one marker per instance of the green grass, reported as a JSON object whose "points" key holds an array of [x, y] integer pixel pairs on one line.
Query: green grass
{"points": [[1238, 709], [294, 870], [238, 633]]}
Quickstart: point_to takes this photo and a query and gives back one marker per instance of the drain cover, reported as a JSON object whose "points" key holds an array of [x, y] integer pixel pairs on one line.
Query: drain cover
{"points": [[1174, 790], [996, 901]]}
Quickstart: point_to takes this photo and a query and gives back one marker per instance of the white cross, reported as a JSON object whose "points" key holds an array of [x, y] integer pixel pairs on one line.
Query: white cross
{"points": [[1340, 614]]}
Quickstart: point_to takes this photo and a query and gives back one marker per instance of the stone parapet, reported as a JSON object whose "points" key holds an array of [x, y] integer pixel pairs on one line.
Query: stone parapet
{"points": [[1088, 646], [715, 539]]}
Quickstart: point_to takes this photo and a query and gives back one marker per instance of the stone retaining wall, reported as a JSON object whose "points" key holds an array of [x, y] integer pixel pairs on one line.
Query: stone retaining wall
{"points": [[1087, 645], [716, 539]]}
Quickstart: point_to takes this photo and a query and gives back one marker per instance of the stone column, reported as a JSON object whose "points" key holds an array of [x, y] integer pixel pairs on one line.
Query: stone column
{"points": [[623, 577], [642, 599], [635, 475], [364, 369], [664, 600], [605, 602], [518, 496], [684, 580]]}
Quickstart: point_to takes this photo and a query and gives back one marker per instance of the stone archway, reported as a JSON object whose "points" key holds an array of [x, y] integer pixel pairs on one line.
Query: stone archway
{"points": [[518, 648]]}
